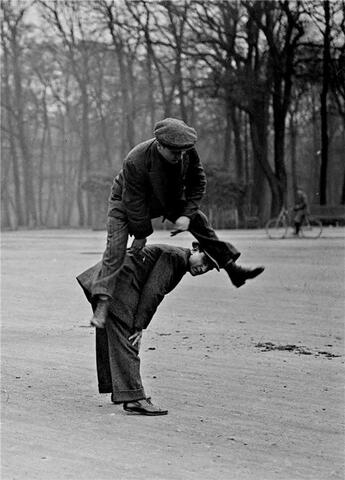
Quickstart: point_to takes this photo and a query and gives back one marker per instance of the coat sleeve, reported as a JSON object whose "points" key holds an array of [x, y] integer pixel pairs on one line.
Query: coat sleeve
{"points": [[164, 277], [195, 183], [134, 198]]}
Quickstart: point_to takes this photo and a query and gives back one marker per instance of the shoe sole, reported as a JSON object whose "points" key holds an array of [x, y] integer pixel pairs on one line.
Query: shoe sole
{"points": [[144, 412]]}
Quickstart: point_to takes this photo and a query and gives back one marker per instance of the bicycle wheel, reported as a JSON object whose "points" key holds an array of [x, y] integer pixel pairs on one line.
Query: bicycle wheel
{"points": [[276, 228], [311, 228]]}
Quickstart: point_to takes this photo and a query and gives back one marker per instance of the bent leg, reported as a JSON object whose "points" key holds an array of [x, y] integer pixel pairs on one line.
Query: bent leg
{"points": [[117, 237], [200, 228], [225, 253]]}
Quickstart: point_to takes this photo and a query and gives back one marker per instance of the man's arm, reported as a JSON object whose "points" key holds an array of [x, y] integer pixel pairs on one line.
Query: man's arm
{"points": [[135, 201], [164, 277], [195, 183]]}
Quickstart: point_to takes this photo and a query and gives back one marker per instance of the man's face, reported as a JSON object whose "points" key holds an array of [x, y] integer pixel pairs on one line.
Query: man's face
{"points": [[198, 263], [171, 156]]}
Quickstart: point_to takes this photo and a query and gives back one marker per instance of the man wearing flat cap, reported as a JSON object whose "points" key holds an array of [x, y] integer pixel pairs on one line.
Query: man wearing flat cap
{"points": [[140, 286], [162, 176]]}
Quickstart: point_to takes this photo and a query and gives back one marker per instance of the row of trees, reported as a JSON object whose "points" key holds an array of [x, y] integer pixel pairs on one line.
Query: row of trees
{"points": [[263, 82]]}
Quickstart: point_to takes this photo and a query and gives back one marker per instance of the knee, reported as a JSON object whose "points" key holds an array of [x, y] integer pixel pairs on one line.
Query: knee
{"points": [[198, 218]]}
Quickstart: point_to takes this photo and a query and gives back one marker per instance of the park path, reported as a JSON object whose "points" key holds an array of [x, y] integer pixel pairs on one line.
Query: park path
{"points": [[252, 377]]}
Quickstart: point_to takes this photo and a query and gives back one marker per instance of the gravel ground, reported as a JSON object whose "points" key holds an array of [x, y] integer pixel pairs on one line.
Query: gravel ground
{"points": [[252, 377]]}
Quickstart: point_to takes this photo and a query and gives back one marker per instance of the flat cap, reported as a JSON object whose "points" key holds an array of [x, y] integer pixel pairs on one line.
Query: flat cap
{"points": [[212, 261], [175, 134]]}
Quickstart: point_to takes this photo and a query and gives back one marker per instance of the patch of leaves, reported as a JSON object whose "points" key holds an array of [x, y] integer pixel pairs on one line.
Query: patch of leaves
{"points": [[299, 349]]}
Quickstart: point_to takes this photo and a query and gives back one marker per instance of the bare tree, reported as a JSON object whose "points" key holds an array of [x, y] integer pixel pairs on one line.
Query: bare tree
{"points": [[283, 29], [163, 26], [338, 81], [68, 20], [98, 74], [111, 15], [324, 109], [10, 133], [11, 36]]}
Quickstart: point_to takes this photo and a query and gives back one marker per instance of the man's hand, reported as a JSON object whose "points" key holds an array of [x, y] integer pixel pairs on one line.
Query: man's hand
{"points": [[136, 338], [137, 245], [181, 225]]}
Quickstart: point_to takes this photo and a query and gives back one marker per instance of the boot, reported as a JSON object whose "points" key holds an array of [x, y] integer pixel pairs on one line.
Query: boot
{"points": [[238, 275], [100, 314]]}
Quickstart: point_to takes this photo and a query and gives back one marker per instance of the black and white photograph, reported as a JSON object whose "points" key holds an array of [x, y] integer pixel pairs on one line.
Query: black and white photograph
{"points": [[172, 239]]}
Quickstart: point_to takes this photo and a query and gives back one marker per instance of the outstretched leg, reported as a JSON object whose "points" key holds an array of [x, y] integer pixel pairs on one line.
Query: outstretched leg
{"points": [[224, 252], [200, 228]]}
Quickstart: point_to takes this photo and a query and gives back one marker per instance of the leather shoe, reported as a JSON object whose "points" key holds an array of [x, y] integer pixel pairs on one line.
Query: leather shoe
{"points": [[238, 275], [143, 407]]}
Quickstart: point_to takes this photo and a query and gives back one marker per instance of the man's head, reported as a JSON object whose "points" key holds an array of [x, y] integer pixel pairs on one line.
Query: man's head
{"points": [[200, 261], [174, 137], [171, 156]]}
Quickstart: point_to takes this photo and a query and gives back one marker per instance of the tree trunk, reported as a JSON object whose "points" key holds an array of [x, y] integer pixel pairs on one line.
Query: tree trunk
{"points": [[342, 198], [85, 161], [236, 126], [247, 175], [293, 148], [279, 142], [126, 108], [259, 125], [227, 137], [13, 149], [40, 179], [5, 208], [30, 206], [5, 197], [132, 102], [315, 173], [324, 112], [150, 88]]}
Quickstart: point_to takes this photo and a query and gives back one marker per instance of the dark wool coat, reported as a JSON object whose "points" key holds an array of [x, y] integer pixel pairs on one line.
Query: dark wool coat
{"points": [[148, 187], [142, 282]]}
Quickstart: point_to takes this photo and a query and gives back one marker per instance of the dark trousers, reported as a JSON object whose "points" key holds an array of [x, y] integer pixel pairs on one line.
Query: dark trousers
{"points": [[114, 254], [118, 362], [117, 238], [299, 219], [200, 228]]}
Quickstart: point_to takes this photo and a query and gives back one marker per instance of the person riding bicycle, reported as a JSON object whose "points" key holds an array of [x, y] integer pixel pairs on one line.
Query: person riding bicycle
{"points": [[301, 208]]}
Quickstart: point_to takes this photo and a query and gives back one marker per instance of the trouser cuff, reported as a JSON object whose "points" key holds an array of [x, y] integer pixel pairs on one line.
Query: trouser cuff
{"points": [[128, 395], [231, 260]]}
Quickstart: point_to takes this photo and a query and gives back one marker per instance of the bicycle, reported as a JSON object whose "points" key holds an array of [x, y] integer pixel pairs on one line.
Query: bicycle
{"points": [[277, 228]]}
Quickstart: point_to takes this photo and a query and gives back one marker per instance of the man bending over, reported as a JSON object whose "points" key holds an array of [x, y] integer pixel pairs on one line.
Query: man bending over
{"points": [[141, 284]]}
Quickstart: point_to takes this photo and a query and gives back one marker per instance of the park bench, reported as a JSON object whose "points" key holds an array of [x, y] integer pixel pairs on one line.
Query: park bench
{"points": [[329, 214]]}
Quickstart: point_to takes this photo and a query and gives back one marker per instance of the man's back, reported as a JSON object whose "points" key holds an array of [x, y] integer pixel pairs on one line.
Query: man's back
{"points": [[142, 282]]}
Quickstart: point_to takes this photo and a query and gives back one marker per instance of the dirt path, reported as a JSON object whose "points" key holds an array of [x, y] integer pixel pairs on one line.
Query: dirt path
{"points": [[253, 378]]}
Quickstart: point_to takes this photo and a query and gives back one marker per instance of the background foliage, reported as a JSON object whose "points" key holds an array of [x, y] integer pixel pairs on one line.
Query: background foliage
{"points": [[263, 82]]}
